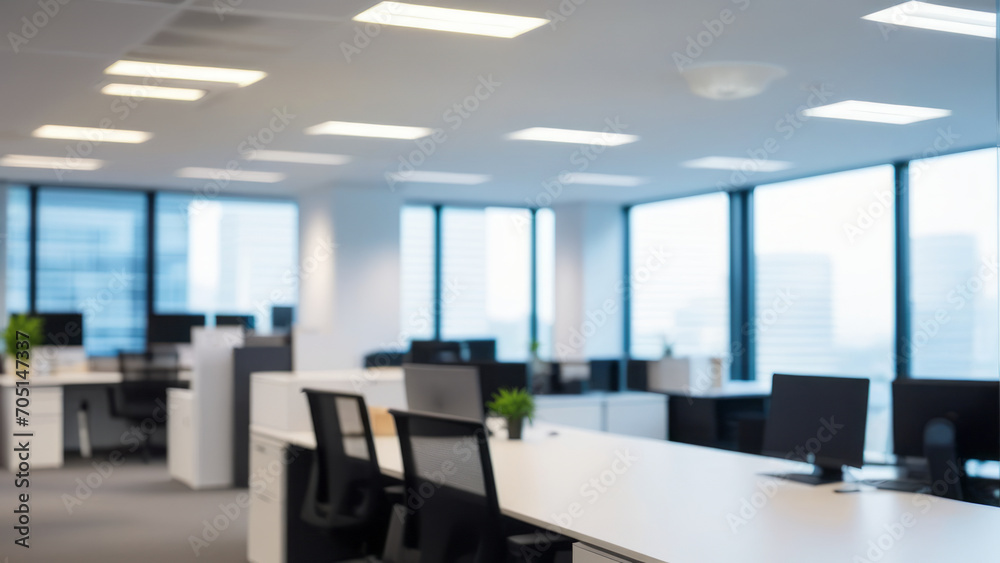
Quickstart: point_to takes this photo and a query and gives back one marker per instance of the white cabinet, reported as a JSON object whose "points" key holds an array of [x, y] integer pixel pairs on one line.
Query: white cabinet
{"points": [[265, 524], [578, 411], [629, 413], [637, 414], [45, 423], [180, 436]]}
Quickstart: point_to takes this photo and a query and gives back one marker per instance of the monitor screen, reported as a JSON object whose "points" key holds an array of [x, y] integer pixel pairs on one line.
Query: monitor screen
{"points": [[281, 318], [973, 406], [604, 375], [822, 418], [435, 352], [173, 329], [246, 321], [481, 350], [63, 329], [451, 390]]}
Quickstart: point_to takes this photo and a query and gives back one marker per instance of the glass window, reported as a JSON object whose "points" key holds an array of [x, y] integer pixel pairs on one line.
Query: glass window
{"points": [[953, 266], [545, 267], [680, 277], [17, 234], [225, 256], [825, 282], [417, 274], [486, 277], [92, 260]]}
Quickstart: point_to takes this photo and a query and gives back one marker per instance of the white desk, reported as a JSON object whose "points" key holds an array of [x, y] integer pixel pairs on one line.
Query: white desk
{"points": [[47, 413], [678, 504]]}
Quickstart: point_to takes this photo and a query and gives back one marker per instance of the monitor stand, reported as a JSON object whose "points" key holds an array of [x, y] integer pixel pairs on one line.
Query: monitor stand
{"points": [[821, 476]]}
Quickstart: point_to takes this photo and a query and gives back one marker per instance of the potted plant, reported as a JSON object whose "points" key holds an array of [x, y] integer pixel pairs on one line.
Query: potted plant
{"points": [[514, 405], [32, 326]]}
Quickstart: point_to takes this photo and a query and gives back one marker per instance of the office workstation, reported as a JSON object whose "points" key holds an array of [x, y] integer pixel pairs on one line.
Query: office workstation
{"points": [[473, 281]]}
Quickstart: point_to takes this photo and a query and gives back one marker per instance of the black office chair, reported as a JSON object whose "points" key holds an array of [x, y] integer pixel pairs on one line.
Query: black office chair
{"points": [[142, 394], [452, 509], [942, 460], [345, 495]]}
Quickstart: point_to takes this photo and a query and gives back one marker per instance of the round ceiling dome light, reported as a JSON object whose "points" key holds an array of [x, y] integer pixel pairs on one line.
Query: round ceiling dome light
{"points": [[731, 80]]}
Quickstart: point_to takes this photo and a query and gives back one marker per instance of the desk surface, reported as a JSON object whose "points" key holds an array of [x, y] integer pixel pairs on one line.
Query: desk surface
{"points": [[77, 378], [665, 502]]}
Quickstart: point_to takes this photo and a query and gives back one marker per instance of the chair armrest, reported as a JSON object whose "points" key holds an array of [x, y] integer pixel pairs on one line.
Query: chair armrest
{"points": [[539, 547]]}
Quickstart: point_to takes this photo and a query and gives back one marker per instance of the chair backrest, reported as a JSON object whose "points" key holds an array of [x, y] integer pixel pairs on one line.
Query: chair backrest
{"points": [[138, 399], [942, 460], [159, 365], [451, 496], [345, 488]]}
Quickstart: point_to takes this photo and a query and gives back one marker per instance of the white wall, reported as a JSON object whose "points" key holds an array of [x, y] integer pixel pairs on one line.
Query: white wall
{"points": [[590, 241], [350, 274]]}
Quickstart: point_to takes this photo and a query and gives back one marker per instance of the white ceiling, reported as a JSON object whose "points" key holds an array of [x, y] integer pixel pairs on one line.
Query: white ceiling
{"points": [[607, 60]]}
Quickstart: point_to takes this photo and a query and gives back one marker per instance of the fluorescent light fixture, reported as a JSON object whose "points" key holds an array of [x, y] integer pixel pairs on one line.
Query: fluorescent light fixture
{"points": [[158, 92], [225, 175], [95, 134], [879, 113], [938, 18], [741, 164], [428, 177], [602, 138], [369, 130], [237, 76], [602, 179], [55, 162], [299, 157], [448, 19]]}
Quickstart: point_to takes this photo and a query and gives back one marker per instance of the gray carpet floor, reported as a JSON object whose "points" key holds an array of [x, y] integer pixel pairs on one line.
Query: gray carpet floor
{"points": [[136, 514]]}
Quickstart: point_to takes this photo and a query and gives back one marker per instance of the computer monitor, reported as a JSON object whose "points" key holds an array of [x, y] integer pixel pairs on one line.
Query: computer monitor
{"points": [[173, 329], [481, 350], [494, 376], [604, 374], [246, 321], [818, 420], [62, 329], [434, 352], [972, 406], [282, 317], [451, 390]]}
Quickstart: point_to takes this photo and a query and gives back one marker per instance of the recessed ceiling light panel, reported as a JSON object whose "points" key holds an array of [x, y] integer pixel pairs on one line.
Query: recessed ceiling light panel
{"points": [[448, 19], [938, 18], [157, 92], [739, 164], [369, 130], [225, 175], [94, 134], [238, 76], [572, 136], [602, 179], [857, 110], [54, 162], [429, 177], [299, 157]]}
